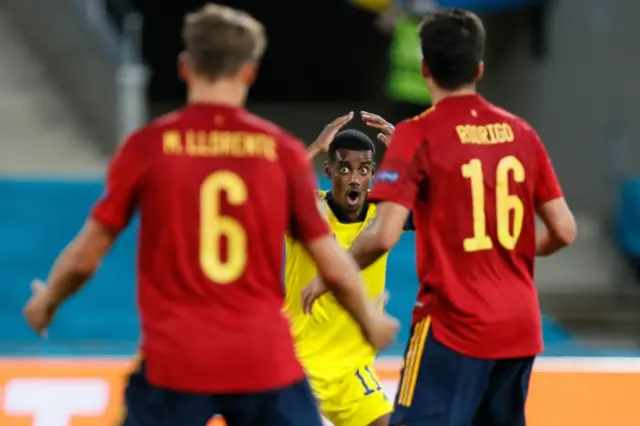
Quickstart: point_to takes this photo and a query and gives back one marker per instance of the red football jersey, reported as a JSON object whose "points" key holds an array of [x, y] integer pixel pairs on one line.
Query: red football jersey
{"points": [[473, 174], [217, 188]]}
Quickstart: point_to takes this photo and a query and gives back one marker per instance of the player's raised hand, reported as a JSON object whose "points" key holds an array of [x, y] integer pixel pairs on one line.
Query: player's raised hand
{"points": [[324, 139], [374, 120], [311, 293], [39, 311]]}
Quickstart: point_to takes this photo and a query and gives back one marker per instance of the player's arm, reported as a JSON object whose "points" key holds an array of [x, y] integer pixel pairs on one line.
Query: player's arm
{"points": [[377, 122], [324, 139], [560, 227], [337, 270], [386, 130], [381, 235], [81, 258], [396, 187], [77, 263]]}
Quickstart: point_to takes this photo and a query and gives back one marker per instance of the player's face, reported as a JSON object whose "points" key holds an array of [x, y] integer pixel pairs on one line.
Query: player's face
{"points": [[351, 175]]}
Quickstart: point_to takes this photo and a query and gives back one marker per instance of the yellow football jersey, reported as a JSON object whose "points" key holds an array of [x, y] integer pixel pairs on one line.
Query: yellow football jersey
{"points": [[329, 343]]}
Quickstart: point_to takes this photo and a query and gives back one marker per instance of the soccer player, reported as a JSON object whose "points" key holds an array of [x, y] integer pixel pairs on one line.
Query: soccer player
{"points": [[474, 176], [338, 361], [217, 188]]}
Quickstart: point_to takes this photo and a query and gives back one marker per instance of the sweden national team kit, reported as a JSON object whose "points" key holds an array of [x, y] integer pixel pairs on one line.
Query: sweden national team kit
{"points": [[330, 345]]}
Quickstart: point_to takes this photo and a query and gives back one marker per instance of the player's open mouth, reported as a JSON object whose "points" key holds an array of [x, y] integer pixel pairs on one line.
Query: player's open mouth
{"points": [[353, 197]]}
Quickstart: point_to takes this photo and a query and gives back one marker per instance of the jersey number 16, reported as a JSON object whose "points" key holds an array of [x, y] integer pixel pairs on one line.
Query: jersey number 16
{"points": [[214, 226], [507, 204]]}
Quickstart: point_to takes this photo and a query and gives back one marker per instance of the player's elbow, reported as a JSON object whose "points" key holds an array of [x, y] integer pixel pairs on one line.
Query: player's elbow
{"points": [[560, 221], [566, 232]]}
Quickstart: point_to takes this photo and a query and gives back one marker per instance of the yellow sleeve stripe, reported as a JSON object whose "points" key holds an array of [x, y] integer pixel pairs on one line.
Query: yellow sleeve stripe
{"points": [[321, 194], [423, 113], [412, 362]]}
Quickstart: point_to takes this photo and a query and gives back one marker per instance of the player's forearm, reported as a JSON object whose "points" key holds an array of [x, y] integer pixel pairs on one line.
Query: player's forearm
{"points": [[370, 246], [313, 151], [380, 235], [366, 250], [546, 243], [68, 275], [351, 296], [343, 279]]}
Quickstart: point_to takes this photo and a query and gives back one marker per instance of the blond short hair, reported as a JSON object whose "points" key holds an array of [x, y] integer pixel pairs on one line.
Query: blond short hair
{"points": [[220, 39]]}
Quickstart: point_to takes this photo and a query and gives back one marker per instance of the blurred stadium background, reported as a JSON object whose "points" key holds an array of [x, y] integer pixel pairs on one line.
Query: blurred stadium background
{"points": [[76, 75]]}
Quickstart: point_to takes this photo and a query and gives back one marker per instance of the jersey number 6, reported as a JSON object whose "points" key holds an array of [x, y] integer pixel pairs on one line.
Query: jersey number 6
{"points": [[506, 204], [214, 226]]}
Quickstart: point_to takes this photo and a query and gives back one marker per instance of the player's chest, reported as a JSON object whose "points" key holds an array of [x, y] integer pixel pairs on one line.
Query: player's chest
{"points": [[346, 233]]}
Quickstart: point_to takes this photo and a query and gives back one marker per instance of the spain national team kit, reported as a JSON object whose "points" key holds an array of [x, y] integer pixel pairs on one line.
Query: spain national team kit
{"points": [[214, 338], [473, 176]]}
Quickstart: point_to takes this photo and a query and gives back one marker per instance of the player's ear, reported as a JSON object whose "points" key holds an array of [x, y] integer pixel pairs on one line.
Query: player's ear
{"points": [[327, 169], [480, 71], [424, 70], [249, 72], [184, 67]]}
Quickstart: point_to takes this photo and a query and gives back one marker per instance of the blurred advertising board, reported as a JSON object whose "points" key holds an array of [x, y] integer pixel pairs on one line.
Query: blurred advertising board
{"points": [[564, 391]]}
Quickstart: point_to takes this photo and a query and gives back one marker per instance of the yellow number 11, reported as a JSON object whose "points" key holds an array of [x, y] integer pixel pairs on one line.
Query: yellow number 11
{"points": [[506, 204]]}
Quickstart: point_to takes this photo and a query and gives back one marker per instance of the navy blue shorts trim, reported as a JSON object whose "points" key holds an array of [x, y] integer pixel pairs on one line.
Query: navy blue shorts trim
{"points": [[149, 405], [442, 387]]}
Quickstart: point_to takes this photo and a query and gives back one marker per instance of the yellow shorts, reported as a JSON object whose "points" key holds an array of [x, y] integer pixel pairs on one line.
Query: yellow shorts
{"points": [[355, 399]]}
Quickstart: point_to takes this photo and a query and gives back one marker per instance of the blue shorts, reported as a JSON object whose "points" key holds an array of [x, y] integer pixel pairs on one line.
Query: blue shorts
{"points": [[149, 405], [441, 387]]}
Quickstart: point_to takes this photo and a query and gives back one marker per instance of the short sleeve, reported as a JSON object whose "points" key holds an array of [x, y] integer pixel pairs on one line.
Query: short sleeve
{"points": [[547, 186], [403, 168], [306, 222], [118, 202]]}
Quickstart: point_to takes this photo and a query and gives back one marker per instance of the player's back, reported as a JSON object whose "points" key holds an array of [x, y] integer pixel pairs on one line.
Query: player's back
{"points": [[478, 228], [214, 209]]}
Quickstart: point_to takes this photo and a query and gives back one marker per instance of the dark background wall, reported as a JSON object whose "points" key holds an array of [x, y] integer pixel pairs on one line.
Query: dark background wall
{"points": [[315, 53]]}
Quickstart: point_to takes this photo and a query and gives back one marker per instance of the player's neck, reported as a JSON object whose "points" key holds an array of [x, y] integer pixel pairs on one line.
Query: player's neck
{"points": [[345, 216], [438, 94], [354, 216], [225, 92]]}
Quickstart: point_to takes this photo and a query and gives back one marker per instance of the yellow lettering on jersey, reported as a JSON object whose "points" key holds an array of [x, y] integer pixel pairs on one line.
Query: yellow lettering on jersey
{"points": [[219, 144], [171, 143], [487, 134]]}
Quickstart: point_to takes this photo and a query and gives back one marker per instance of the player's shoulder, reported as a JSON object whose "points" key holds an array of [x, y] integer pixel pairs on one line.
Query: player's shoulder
{"points": [[419, 121], [153, 128], [424, 116], [321, 202], [163, 122], [421, 126], [511, 118], [139, 139], [321, 194], [288, 145], [261, 124], [409, 136]]}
